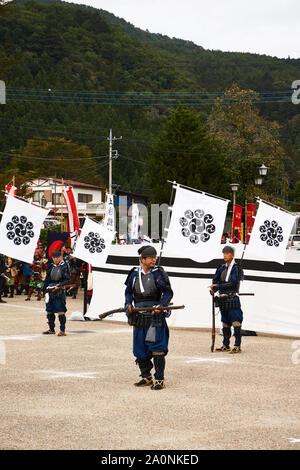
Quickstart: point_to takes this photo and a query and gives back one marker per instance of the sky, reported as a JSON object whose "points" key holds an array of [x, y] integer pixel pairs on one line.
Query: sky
{"points": [[270, 27]]}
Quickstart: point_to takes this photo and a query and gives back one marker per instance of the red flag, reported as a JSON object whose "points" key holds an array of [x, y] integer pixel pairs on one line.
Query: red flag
{"points": [[236, 224], [250, 209], [55, 241], [72, 210], [10, 190]]}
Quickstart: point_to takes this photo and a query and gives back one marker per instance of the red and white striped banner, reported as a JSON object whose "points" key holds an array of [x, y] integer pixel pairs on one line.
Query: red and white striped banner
{"points": [[74, 225]]}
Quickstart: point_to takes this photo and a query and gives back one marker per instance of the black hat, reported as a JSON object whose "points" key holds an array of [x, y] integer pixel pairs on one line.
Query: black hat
{"points": [[56, 254], [228, 249], [148, 250]]}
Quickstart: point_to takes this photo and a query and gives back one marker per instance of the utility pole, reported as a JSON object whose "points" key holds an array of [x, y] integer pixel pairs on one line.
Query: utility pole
{"points": [[110, 157]]}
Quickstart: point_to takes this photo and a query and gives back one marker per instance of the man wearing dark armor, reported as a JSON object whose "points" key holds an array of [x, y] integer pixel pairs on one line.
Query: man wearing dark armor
{"points": [[226, 281], [57, 276], [149, 286]]}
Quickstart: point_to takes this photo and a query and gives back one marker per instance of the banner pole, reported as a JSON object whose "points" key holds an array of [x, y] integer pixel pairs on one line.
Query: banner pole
{"points": [[85, 276], [168, 219], [213, 329], [248, 232], [197, 190], [61, 207]]}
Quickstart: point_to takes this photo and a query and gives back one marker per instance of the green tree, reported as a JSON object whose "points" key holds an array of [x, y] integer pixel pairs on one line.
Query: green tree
{"points": [[185, 153], [294, 196], [249, 141], [60, 157]]}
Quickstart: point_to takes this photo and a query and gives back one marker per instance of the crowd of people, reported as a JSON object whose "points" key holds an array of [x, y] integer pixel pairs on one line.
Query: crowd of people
{"points": [[20, 278]]}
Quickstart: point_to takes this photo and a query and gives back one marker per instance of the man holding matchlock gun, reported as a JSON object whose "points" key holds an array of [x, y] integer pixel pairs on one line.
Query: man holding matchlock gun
{"points": [[149, 286], [227, 281], [57, 277]]}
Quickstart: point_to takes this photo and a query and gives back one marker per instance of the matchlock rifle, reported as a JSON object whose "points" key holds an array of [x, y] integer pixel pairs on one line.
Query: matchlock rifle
{"points": [[141, 309]]}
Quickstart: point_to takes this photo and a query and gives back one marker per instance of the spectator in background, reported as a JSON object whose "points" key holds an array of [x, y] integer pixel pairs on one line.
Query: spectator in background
{"points": [[2, 277], [11, 273], [26, 270]]}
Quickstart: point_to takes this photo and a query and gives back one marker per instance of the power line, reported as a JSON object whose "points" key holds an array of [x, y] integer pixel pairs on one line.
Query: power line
{"points": [[133, 159], [168, 93], [29, 157], [135, 103]]}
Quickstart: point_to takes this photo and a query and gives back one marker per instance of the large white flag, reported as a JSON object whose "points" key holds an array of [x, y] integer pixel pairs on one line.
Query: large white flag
{"points": [[270, 234], [20, 229], [93, 244], [109, 218], [196, 226]]}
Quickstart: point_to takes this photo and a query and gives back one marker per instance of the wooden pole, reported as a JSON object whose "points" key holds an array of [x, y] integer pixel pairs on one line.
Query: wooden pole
{"points": [[61, 202], [213, 329]]}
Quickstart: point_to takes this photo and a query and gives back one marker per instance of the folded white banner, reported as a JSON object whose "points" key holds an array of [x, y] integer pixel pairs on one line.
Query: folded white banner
{"points": [[109, 218], [20, 229], [270, 234], [197, 225], [93, 244]]}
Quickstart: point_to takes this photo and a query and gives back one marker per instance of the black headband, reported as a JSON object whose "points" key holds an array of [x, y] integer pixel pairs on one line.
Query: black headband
{"points": [[148, 250]]}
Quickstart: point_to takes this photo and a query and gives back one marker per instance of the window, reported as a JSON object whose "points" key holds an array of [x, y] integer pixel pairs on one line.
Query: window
{"points": [[57, 199], [85, 197], [37, 195]]}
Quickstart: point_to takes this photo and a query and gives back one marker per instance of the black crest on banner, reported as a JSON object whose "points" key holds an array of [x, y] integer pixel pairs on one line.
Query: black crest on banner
{"points": [[94, 243], [20, 230], [197, 226], [271, 233]]}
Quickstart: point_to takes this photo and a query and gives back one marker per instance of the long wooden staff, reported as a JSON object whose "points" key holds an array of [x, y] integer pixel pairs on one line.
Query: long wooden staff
{"points": [[213, 329]]}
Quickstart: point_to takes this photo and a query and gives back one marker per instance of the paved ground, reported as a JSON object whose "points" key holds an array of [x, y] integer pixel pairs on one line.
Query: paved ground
{"points": [[76, 392]]}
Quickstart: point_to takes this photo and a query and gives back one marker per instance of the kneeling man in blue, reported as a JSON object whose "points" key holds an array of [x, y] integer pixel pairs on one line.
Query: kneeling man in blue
{"points": [[227, 281], [57, 276], [149, 286]]}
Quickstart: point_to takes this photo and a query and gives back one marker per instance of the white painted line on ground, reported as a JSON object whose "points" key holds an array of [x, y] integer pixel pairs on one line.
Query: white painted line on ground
{"points": [[293, 440], [208, 359], [28, 307], [19, 337], [52, 374]]}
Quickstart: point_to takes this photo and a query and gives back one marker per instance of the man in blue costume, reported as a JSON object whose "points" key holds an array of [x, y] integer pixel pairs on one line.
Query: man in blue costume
{"points": [[57, 276], [226, 281], [149, 286]]}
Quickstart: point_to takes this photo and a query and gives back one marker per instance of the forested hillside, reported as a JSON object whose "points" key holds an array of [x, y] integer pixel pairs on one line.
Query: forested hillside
{"points": [[72, 72]]}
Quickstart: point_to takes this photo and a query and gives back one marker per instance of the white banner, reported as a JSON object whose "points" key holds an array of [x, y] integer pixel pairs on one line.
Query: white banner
{"points": [[93, 244], [197, 225], [273, 309], [20, 229], [135, 222], [109, 218], [270, 234]]}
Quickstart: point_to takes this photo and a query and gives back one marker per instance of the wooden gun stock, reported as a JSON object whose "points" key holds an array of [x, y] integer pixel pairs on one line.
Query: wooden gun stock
{"points": [[140, 309]]}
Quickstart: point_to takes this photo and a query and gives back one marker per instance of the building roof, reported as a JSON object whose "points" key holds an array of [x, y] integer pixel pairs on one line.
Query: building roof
{"points": [[70, 182]]}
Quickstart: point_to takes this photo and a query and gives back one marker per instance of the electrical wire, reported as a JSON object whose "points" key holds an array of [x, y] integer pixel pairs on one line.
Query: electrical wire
{"points": [[130, 103], [29, 157], [146, 98]]}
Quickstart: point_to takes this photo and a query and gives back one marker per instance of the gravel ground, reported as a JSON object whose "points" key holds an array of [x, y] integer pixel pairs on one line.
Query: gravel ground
{"points": [[76, 392]]}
